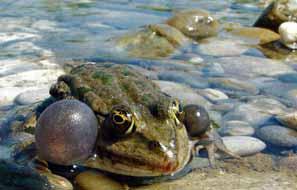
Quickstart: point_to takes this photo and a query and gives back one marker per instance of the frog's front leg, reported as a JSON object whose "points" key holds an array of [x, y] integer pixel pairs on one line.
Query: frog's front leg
{"points": [[200, 131], [69, 87]]}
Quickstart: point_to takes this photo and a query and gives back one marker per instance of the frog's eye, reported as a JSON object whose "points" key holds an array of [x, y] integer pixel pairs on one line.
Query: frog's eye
{"points": [[175, 110], [122, 121]]}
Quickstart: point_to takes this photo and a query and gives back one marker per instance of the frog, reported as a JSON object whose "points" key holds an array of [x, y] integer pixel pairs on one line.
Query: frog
{"points": [[142, 132]]}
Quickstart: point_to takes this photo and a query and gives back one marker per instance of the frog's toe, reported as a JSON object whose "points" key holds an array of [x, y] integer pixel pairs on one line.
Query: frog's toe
{"points": [[219, 145]]}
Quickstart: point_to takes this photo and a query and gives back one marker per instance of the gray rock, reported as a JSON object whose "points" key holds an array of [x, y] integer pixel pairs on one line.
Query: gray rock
{"points": [[32, 96], [212, 94], [250, 114], [243, 145], [213, 70], [248, 66], [288, 120], [236, 128], [278, 135], [222, 47], [289, 77], [187, 78], [215, 117], [233, 86], [183, 93]]}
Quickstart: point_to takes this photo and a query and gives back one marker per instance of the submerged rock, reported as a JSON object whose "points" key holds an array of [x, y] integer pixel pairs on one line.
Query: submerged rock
{"points": [[17, 177], [222, 47], [276, 13], [92, 180], [244, 146], [32, 96], [278, 135], [195, 24], [255, 35], [185, 94], [289, 120], [236, 128]]}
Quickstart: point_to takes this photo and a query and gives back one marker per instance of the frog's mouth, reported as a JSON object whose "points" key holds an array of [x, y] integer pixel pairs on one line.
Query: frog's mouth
{"points": [[130, 166]]}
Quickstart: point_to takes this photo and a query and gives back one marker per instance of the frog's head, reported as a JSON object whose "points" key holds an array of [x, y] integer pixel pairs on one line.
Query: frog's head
{"points": [[142, 140]]}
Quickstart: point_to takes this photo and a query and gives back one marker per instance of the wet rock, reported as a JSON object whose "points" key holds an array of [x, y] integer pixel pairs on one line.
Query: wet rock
{"points": [[15, 36], [222, 47], [92, 180], [255, 35], [192, 80], [248, 66], [288, 120], [57, 182], [243, 145], [232, 86], [17, 144], [268, 105], [276, 13], [288, 34], [236, 128], [196, 60], [224, 106], [183, 93], [216, 118], [276, 50], [153, 41], [248, 113], [278, 135], [30, 78], [195, 24], [213, 70], [14, 84], [212, 94], [17, 177], [32, 96], [288, 78]]}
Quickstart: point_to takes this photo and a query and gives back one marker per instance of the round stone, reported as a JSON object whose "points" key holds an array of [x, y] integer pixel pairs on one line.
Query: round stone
{"points": [[237, 128], [91, 180], [288, 120], [278, 135], [288, 34], [66, 132], [243, 145], [32, 96]]}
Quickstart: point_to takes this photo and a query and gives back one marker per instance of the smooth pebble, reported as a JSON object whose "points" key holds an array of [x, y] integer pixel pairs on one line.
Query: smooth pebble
{"points": [[236, 128], [278, 135], [243, 145]]}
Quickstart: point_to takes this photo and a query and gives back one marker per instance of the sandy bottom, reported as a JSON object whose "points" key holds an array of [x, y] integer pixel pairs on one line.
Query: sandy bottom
{"points": [[253, 173]]}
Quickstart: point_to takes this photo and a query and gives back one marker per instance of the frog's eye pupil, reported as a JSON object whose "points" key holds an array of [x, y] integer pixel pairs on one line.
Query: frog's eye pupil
{"points": [[118, 119]]}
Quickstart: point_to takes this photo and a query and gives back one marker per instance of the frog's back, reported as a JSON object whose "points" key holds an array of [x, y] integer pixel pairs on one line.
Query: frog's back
{"points": [[119, 84]]}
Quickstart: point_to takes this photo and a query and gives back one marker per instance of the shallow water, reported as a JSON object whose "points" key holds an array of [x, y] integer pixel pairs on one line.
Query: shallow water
{"points": [[38, 37]]}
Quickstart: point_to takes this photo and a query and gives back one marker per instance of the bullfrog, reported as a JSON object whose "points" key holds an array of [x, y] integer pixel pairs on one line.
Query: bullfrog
{"points": [[144, 135], [143, 132]]}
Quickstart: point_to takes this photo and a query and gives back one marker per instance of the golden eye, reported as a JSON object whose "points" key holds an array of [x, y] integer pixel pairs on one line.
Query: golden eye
{"points": [[121, 121]]}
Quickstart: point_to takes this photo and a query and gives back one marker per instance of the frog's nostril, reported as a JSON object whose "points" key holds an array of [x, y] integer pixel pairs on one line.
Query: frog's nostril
{"points": [[154, 145]]}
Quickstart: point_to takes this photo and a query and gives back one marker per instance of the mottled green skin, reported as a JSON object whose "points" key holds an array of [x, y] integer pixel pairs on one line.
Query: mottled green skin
{"points": [[106, 85]]}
